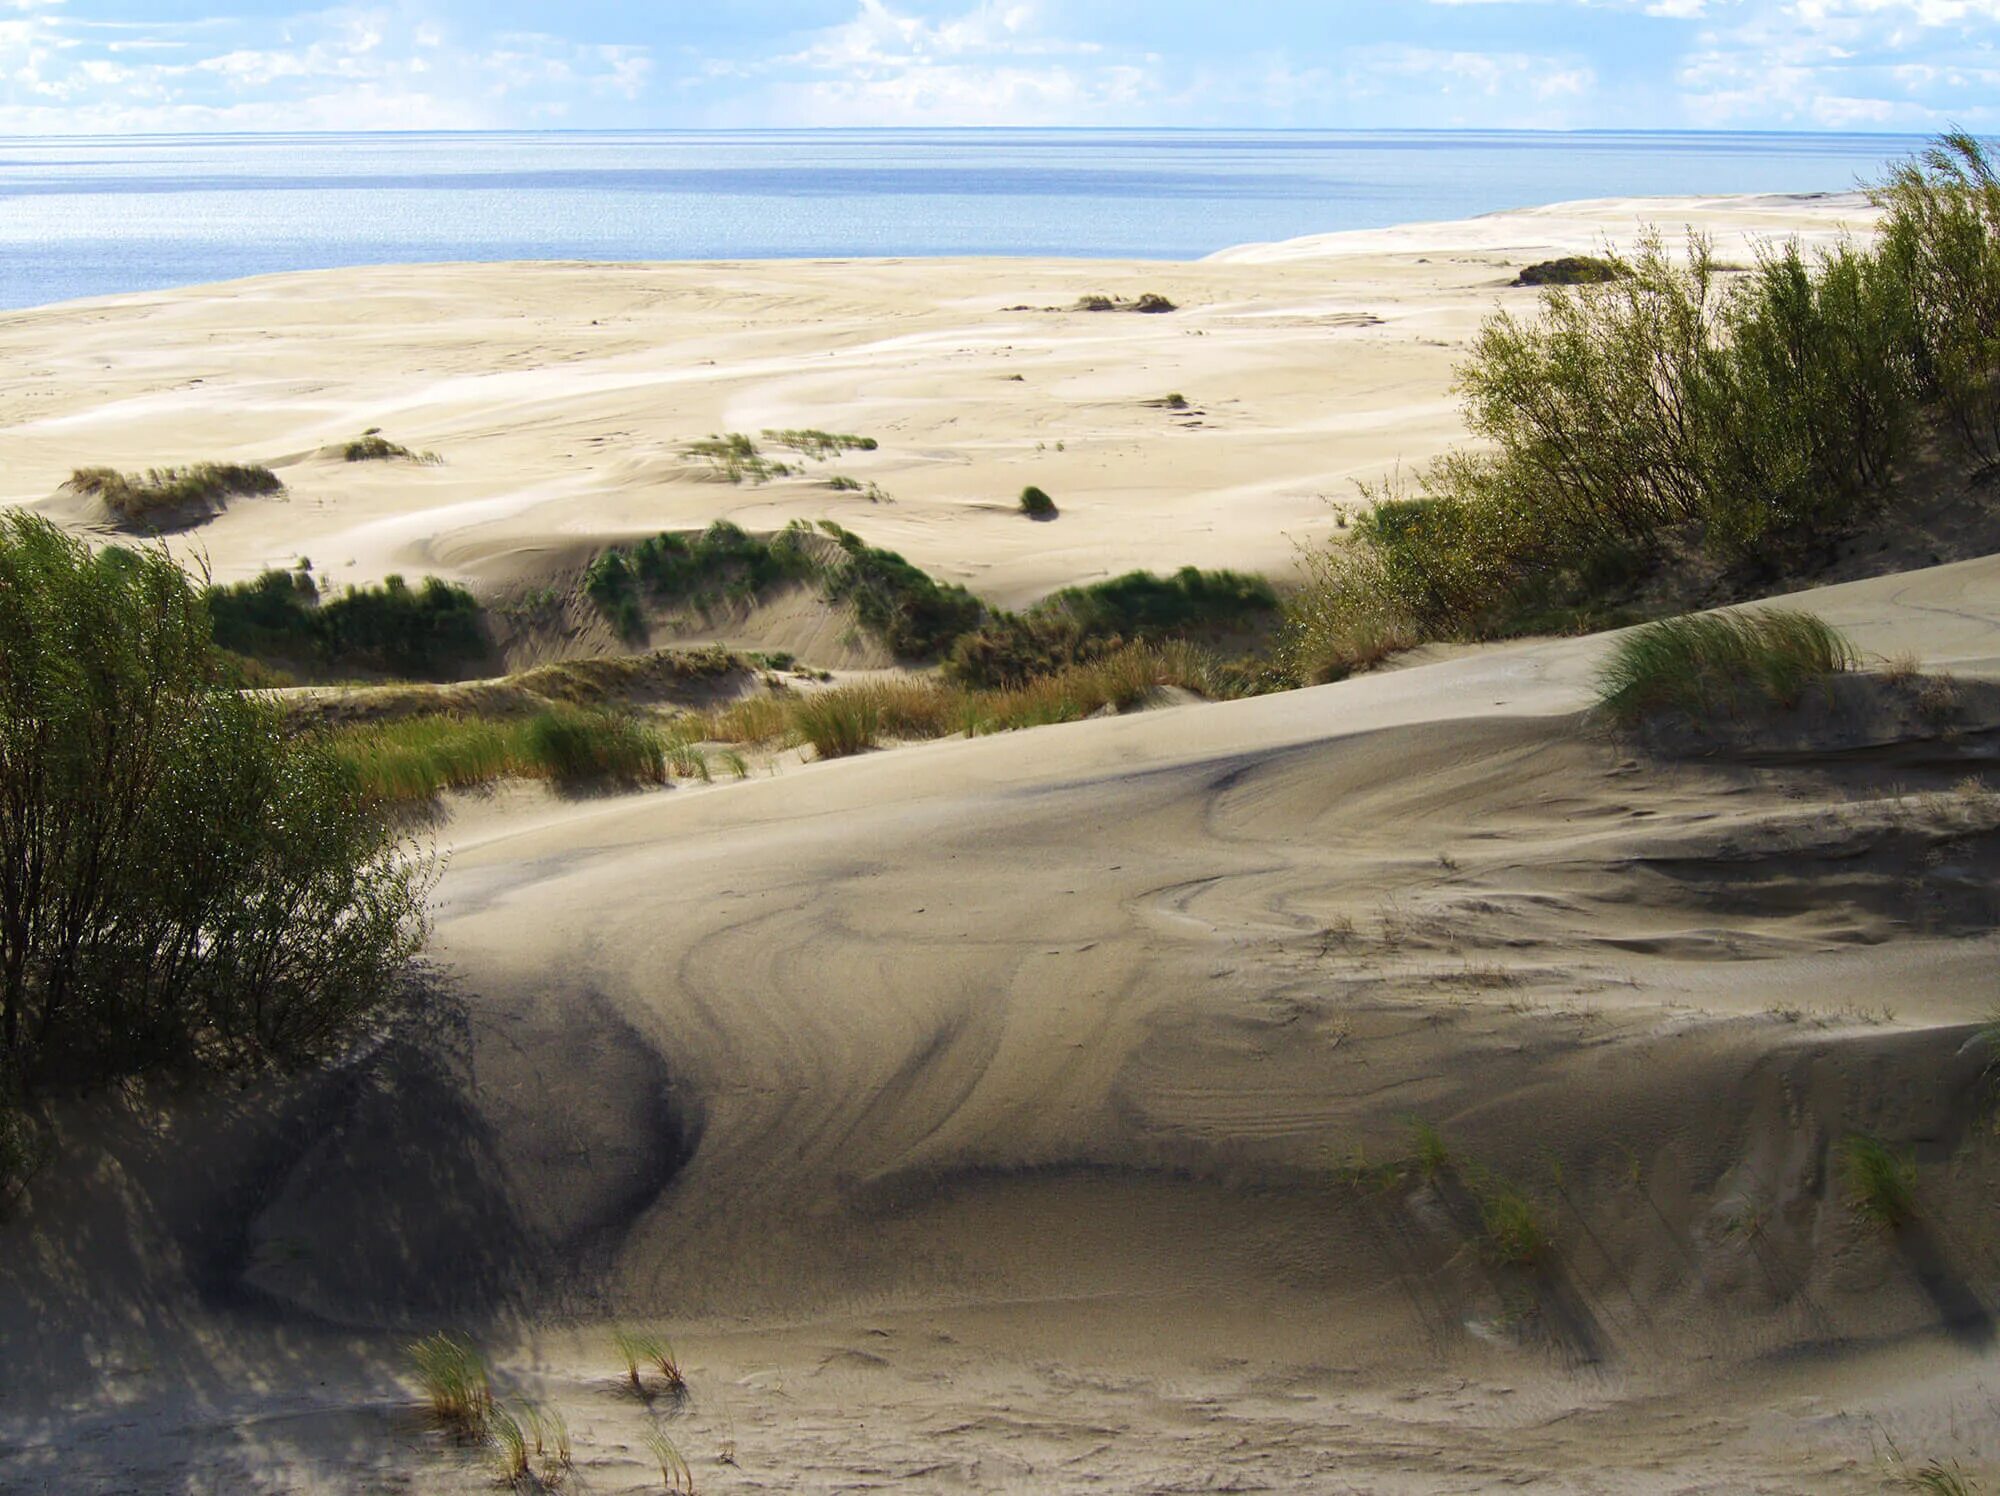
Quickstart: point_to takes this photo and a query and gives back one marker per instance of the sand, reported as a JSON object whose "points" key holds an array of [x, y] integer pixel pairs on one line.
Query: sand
{"points": [[1010, 1114]]}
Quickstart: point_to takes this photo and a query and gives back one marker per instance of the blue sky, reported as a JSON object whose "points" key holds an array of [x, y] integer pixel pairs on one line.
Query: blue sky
{"points": [[74, 66]]}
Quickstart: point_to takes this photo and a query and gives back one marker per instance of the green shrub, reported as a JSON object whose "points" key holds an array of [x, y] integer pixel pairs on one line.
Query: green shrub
{"points": [[1570, 270], [1940, 238], [431, 631], [1142, 605], [703, 569], [181, 884], [161, 493], [1036, 504], [1011, 649], [916, 616], [1709, 662]]}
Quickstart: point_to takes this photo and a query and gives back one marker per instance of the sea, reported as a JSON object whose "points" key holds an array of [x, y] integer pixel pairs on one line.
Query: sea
{"points": [[104, 215]]}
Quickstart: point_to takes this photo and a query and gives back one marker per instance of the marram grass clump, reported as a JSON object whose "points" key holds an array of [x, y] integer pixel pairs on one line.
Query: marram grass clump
{"points": [[458, 1393], [158, 493], [1707, 663]]}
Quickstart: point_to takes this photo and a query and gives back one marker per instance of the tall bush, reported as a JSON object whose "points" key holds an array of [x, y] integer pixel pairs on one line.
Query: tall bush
{"points": [[1941, 237], [180, 884]]}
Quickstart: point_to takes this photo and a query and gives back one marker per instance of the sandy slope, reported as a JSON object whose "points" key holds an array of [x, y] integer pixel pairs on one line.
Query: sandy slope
{"points": [[1006, 1114], [985, 1115], [561, 396]]}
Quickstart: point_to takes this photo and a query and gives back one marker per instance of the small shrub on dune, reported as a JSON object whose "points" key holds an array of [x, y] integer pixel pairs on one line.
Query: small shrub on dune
{"points": [[372, 446], [1570, 270], [1882, 1181], [458, 1392], [1036, 504], [160, 493], [1709, 662]]}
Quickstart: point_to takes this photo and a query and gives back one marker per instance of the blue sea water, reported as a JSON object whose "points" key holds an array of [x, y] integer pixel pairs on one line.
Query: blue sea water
{"points": [[89, 216]]}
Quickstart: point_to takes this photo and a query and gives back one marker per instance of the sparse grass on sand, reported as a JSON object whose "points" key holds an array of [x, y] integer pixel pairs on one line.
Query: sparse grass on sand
{"points": [[1432, 1156], [1882, 1180], [853, 718], [372, 446], [458, 1393], [674, 1472], [415, 758], [142, 498], [1709, 662], [639, 1349]]}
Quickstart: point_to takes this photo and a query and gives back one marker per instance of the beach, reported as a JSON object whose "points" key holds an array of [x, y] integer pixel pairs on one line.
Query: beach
{"points": [[1120, 1105]]}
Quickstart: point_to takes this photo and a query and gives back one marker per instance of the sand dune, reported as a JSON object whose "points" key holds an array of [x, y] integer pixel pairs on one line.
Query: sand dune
{"points": [[560, 396], [989, 1114], [1010, 1113]]}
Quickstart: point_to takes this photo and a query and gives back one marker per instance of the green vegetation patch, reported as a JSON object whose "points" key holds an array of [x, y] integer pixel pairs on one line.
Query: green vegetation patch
{"points": [[736, 457], [184, 886], [1571, 270], [418, 757], [431, 631], [1036, 504], [723, 563], [372, 446], [161, 494], [1677, 418], [1143, 605], [1707, 663], [911, 612]]}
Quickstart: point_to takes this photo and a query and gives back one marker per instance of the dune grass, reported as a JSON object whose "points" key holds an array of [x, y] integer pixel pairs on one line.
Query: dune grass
{"points": [[141, 498], [820, 445], [640, 1349], [1511, 1225], [850, 719], [372, 446], [1431, 1155], [1036, 504], [1707, 663], [417, 758], [458, 1392], [674, 1472], [1882, 1180]]}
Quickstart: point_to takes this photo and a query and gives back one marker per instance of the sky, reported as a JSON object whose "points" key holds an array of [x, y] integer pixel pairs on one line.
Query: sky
{"points": [[157, 66]]}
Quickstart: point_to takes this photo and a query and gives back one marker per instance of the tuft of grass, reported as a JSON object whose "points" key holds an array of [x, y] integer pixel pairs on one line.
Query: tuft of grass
{"points": [[1433, 1157], [1036, 504], [157, 493], [458, 1393], [1150, 302], [510, 1445], [548, 1434], [1939, 1479], [577, 745], [372, 446], [1882, 1180], [1709, 662], [1511, 1225], [674, 1472], [841, 722], [639, 1349], [736, 458]]}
